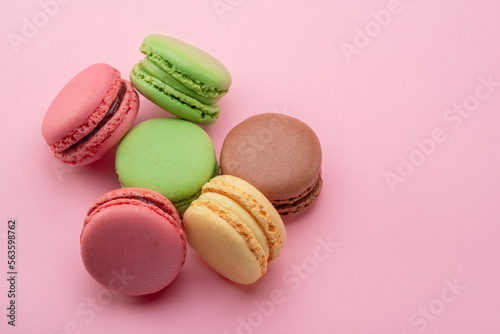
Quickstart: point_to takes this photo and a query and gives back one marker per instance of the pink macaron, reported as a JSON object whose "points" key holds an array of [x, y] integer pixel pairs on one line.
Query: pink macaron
{"points": [[133, 241], [90, 115]]}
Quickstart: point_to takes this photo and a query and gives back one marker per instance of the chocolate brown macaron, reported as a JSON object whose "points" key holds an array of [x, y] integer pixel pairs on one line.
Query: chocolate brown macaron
{"points": [[279, 155]]}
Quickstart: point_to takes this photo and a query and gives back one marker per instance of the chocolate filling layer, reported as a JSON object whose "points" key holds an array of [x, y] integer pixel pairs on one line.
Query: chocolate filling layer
{"points": [[111, 112], [303, 201]]}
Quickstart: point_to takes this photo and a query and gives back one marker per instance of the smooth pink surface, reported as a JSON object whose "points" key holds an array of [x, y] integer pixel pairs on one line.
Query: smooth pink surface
{"points": [[78, 100], [422, 256], [128, 237]]}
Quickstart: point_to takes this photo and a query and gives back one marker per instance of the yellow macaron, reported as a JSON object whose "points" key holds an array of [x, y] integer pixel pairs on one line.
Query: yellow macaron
{"points": [[235, 229]]}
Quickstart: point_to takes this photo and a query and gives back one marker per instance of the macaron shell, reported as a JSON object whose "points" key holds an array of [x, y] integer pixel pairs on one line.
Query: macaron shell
{"points": [[253, 201], [129, 238], [171, 156], [222, 246], [78, 100], [108, 136], [278, 154], [192, 66]]}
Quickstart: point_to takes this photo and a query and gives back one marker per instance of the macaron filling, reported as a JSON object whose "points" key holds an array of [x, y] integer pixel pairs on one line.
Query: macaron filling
{"points": [[302, 195], [149, 66], [107, 136], [304, 200], [108, 116], [243, 215], [250, 204], [139, 73], [238, 225]]}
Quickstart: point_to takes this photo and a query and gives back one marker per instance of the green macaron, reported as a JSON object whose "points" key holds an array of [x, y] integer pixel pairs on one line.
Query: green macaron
{"points": [[169, 155], [181, 78]]}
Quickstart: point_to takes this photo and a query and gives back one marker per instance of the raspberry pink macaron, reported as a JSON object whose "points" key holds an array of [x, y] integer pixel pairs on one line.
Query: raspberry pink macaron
{"points": [[133, 241], [90, 115]]}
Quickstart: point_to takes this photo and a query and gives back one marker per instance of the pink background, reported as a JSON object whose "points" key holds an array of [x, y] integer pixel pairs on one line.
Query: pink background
{"points": [[418, 255]]}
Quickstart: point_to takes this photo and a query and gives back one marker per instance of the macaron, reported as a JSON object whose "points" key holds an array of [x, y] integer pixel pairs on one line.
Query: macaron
{"points": [[169, 155], [279, 155], [90, 115], [181, 78], [133, 242], [235, 229]]}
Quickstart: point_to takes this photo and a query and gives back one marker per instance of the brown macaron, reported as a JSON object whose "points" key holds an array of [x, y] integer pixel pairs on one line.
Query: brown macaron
{"points": [[279, 155]]}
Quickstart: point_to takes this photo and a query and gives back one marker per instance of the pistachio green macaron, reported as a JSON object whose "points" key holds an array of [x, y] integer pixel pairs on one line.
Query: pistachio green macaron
{"points": [[181, 78], [168, 155]]}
